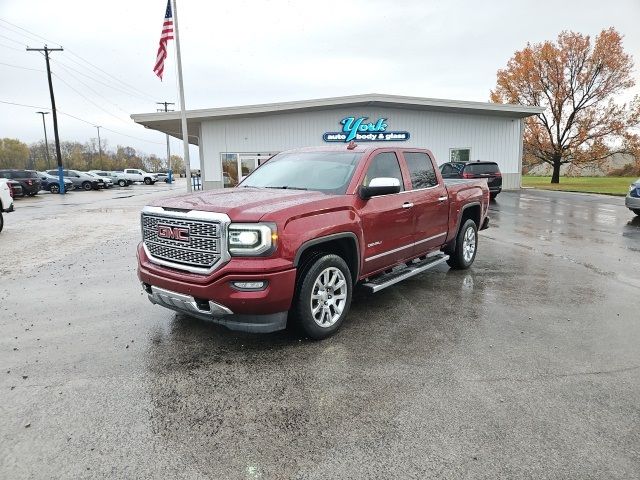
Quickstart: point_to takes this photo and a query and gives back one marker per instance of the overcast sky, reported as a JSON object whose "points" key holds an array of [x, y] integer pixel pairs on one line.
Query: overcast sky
{"points": [[243, 52]]}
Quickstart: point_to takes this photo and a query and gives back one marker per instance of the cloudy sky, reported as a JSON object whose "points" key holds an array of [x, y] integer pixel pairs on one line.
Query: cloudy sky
{"points": [[243, 52]]}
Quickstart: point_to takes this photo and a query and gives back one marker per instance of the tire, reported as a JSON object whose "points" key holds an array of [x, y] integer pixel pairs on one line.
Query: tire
{"points": [[122, 183], [147, 181], [86, 186], [466, 246], [54, 188], [1, 221], [636, 211], [319, 272], [493, 196]]}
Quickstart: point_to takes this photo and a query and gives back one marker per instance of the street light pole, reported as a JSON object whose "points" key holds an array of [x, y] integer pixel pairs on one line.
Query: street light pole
{"points": [[46, 142], [99, 146], [166, 109]]}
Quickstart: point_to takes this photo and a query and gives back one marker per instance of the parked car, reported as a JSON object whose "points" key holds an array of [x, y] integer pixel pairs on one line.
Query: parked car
{"points": [[302, 230], [6, 200], [632, 201], [137, 175], [477, 169], [80, 179], [28, 179], [16, 188], [162, 177], [118, 178], [108, 183], [51, 183]]}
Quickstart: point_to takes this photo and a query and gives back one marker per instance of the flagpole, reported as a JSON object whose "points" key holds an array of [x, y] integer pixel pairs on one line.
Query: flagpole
{"points": [[183, 113]]}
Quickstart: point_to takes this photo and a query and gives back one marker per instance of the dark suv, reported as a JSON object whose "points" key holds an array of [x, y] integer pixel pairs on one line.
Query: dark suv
{"points": [[477, 169], [30, 181]]}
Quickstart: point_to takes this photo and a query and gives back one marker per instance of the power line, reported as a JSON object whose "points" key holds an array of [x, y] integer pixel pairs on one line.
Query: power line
{"points": [[12, 40], [11, 48], [139, 92], [89, 100], [117, 89], [94, 91], [25, 30], [23, 68], [82, 120]]}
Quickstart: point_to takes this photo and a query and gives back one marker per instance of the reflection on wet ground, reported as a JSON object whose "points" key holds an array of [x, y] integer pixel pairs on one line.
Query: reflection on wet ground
{"points": [[525, 366]]}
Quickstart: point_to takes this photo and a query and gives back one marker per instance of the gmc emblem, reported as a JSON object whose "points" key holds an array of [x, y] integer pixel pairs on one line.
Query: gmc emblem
{"points": [[174, 233]]}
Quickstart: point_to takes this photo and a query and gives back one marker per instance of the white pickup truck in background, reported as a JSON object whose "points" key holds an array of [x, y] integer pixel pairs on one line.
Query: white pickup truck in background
{"points": [[137, 175], [6, 200]]}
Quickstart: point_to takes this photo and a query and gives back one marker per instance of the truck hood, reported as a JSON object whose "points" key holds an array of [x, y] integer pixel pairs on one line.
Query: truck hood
{"points": [[248, 204]]}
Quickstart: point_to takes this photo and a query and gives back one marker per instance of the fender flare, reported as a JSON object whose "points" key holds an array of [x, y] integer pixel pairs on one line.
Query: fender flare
{"points": [[327, 238], [452, 244]]}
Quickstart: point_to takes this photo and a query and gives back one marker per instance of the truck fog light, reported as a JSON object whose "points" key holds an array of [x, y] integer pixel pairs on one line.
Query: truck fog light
{"points": [[249, 286]]}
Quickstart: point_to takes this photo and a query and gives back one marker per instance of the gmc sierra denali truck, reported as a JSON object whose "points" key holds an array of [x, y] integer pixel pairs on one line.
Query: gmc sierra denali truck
{"points": [[294, 238]]}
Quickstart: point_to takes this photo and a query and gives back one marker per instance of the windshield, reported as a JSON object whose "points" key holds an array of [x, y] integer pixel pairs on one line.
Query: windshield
{"points": [[327, 172]]}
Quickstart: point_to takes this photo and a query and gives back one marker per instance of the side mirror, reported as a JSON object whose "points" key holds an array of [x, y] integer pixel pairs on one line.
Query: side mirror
{"points": [[379, 186]]}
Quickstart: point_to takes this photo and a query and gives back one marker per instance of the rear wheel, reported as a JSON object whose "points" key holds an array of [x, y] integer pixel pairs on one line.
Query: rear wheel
{"points": [[86, 186], [122, 183], [493, 196], [636, 211], [323, 296], [54, 188], [466, 246]]}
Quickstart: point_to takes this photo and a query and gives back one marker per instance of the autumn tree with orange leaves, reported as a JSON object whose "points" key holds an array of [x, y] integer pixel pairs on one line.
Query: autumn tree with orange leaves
{"points": [[578, 84]]}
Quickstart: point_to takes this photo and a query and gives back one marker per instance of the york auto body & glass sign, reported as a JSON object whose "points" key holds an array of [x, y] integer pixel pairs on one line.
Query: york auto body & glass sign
{"points": [[361, 130]]}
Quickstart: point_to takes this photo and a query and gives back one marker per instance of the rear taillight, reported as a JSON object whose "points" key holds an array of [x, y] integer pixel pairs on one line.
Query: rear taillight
{"points": [[467, 175], [498, 174], [10, 191]]}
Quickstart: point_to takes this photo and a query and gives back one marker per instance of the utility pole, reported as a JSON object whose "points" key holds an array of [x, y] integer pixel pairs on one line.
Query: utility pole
{"points": [[46, 142], [99, 146], [46, 51], [166, 109]]}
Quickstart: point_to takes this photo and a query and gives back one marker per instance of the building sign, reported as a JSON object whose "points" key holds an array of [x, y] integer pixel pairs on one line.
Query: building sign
{"points": [[360, 130]]}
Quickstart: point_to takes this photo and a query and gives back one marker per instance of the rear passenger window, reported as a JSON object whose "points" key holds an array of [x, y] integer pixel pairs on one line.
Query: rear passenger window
{"points": [[384, 165], [422, 173]]}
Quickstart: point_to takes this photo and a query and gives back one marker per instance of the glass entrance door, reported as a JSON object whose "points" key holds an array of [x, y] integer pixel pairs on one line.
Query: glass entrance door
{"points": [[236, 166]]}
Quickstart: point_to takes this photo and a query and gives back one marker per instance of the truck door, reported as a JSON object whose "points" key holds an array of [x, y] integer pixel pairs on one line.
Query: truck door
{"points": [[430, 203], [387, 224]]}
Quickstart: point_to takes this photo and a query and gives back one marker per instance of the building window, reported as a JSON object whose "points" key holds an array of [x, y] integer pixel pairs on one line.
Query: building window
{"points": [[459, 154]]}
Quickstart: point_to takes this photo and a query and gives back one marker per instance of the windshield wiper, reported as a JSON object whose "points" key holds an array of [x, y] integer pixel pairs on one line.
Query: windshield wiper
{"points": [[286, 187]]}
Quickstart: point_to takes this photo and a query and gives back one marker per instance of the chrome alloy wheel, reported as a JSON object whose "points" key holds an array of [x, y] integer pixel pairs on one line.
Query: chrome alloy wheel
{"points": [[469, 244], [328, 297]]}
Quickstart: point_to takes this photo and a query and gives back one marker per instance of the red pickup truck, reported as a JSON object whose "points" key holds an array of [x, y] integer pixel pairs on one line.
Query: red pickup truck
{"points": [[294, 238]]}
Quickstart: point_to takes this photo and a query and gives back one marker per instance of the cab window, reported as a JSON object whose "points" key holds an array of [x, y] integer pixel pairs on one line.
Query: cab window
{"points": [[384, 165], [421, 169]]}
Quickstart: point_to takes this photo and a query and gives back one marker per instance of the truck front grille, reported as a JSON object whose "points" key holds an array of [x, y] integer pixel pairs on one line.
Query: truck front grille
{"points": [[182, 242]]}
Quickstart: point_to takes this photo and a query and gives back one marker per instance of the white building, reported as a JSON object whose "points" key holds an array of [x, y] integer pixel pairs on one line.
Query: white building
{"points": [[236, 139]]}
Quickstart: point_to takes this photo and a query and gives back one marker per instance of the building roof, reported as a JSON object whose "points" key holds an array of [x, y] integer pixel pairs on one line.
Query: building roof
{"points": [[169, 122]]}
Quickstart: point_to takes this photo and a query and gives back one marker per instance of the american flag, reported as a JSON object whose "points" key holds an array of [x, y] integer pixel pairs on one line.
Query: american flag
{"points": [[167, 34]]}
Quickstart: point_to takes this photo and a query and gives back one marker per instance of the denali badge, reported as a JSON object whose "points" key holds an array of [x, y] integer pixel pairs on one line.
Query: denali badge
{"points": [[174, 233]]}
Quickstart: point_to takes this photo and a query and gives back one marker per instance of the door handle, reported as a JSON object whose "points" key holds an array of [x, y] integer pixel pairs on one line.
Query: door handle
{"points": [[407, 205], [443, 199]]}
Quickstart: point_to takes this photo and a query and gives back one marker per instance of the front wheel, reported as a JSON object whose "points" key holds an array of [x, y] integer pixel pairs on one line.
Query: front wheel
{"points": [[147, 181], [54, 188], [122, 183], [466, 246], [323, 296], [87, 186]]}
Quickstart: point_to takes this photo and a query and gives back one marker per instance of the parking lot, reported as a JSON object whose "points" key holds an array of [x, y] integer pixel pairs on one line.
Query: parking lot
{"points": [[525, 366]]}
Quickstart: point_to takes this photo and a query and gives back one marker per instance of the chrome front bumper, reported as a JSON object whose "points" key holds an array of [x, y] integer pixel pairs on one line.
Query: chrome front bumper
{"points": [[214, 312], [184, 303]]}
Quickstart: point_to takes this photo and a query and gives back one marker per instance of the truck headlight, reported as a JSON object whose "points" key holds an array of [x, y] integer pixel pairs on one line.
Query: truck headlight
{"points": [[252, 239]]}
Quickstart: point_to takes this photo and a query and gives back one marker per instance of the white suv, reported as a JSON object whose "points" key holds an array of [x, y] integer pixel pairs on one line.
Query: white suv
{"points": [[137, 175], [6, 199]]}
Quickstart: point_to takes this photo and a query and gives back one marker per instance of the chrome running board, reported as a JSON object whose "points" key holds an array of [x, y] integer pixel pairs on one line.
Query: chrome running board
{"points": [[391, 278]]}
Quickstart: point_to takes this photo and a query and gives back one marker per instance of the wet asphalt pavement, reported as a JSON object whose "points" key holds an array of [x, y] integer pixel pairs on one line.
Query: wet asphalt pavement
{"points": [[525, 366]]}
